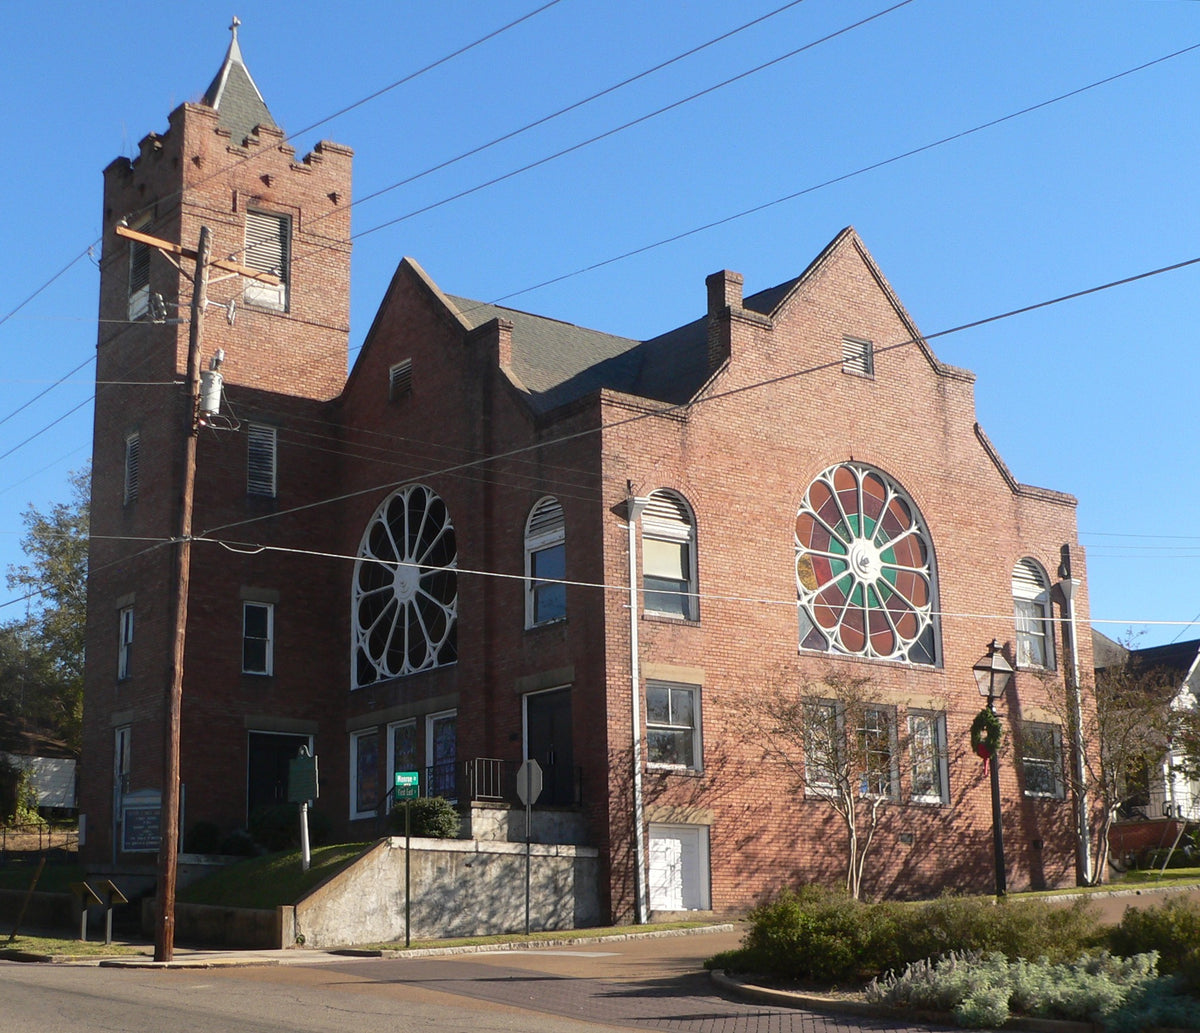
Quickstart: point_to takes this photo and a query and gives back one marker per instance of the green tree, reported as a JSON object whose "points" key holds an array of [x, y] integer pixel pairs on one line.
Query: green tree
{"points": [[41, 656]]}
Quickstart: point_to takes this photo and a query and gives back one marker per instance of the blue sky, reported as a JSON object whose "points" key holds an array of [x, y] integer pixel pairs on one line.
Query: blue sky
{"points": [[1095, 396]]}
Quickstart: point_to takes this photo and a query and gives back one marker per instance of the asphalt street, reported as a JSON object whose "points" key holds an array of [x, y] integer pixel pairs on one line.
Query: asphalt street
{"points": [[646, 983]]}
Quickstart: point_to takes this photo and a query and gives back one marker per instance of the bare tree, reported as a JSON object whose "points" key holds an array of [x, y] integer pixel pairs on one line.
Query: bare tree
{"points": [[840, 746], [1122, 738]]}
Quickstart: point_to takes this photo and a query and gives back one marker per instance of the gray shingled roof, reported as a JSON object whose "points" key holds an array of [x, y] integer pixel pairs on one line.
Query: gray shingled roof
{"points": [[235, 96]]}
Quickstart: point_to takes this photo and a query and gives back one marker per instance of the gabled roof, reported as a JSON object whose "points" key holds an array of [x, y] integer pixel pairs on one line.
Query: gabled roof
{"points": [[1175, 656], [234, 95]]}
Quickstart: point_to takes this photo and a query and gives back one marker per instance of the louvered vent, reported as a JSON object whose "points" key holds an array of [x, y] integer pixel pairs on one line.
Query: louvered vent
{"points": [[400, 380], [663, 508], [857, 357], [260, 461], [133, 449], [1028, 581], [547, 518]]}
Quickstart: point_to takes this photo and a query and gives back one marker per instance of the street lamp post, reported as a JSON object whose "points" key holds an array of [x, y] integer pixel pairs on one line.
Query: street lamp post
{"points": [[992, 673]]}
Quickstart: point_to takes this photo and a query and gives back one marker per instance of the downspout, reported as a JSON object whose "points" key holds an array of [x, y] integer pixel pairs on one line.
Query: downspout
{"points": [[641, 912], [1069, 587]]}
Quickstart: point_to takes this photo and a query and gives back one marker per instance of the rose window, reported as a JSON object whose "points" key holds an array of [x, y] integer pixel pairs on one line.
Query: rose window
{"points": [[405, 589], [865, 575]]}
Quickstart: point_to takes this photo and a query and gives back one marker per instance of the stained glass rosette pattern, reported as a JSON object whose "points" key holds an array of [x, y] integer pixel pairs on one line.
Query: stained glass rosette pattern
{"points": [[405, 603], [865, 575]]}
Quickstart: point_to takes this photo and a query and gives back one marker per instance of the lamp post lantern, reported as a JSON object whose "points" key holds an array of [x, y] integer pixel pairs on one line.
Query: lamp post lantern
{"points": [[992, 674]]}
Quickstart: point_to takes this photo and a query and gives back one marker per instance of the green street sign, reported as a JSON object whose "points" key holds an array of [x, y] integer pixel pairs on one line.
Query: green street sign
{"points": [[408, 785]]}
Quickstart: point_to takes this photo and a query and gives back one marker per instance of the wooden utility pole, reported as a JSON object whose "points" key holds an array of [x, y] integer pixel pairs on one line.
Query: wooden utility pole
{"points": [[164, 930]]}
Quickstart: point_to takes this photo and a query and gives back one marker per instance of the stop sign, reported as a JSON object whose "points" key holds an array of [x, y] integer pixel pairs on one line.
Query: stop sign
{"points": [[529, 782]]}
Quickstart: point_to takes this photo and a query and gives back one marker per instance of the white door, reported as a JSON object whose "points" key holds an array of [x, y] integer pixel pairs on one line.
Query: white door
{"points": [[679, 868]]}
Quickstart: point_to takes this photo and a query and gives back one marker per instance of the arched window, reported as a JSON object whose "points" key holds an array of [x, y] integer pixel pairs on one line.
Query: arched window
{"points": [[669, 556], [865, 575], [405, 594], [1031, 606], [545, 564]]}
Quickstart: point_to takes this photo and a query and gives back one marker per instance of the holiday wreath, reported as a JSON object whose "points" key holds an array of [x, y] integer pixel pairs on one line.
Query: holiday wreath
{"points": [[985, 733]]}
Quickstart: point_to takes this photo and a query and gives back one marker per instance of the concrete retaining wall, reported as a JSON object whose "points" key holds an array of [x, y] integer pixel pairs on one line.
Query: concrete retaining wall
{"points": [[459, 888]]}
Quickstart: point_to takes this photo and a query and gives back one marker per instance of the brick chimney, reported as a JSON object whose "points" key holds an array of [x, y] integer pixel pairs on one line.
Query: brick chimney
{"points": [[724, 297]]}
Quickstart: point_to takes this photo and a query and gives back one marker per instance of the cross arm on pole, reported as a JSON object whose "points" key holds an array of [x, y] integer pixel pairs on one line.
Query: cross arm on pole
{"points": [[170, 247]]}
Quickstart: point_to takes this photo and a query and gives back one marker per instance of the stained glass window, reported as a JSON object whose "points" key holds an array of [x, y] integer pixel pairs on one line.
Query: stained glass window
{"points": [[865, 576]]}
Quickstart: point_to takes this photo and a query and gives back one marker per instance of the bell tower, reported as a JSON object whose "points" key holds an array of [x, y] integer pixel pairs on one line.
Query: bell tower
{"points": [[224, 164]]}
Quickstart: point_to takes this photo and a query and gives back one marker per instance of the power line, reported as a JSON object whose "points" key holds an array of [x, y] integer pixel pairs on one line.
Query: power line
{"points": [[659, 410], [626, 125]]}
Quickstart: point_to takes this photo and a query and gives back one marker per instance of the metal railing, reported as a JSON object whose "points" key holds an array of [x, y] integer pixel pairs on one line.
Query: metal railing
{"points": [[490, 780], [29, 842]]}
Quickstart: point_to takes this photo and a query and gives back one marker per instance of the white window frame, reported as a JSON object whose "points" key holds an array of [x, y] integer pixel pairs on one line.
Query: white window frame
{"points": [[133, 455], [858, 357], [675, 727], [1031, 761], [431, 762], [267, 640], [357, 739], [545, 533], [1033, 615], [262, 460], [821, 772], [929, 756], [885, 731], [124, 643], [268, 250], [669, 520]]}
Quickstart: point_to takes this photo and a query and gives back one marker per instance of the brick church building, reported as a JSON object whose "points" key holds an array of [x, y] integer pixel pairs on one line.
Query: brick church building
{"points": [[427, 562]]}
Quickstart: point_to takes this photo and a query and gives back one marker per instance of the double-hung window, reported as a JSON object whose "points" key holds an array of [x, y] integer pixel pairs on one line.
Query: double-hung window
{"points": [[673, 725], [823, 749], [124, 643], [1041, 759], [268, 250], [1031, 606], [669, 557], [927, 750], [877, 751], [261, 455], [545, 564], [258, 638]]}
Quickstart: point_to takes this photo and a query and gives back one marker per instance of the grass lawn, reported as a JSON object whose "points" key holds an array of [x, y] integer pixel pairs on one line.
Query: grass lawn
{"points": [[271, 881]]}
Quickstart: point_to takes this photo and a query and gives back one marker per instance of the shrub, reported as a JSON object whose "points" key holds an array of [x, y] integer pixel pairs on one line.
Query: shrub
{"points": [[981, 989], [1158, 1004], [239, 843], [1015, 928], [202, 838], [277, 826], [1172, 928], [820, 934], [431, 817]]}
